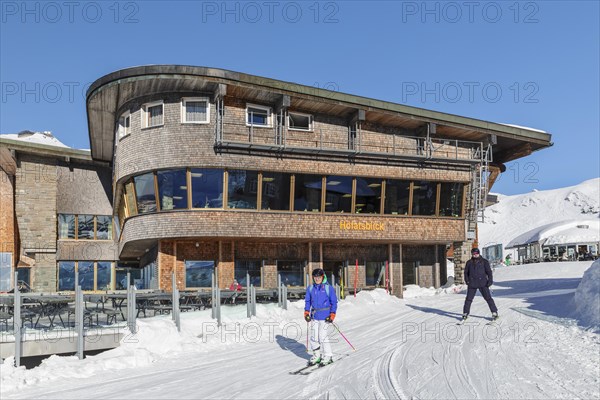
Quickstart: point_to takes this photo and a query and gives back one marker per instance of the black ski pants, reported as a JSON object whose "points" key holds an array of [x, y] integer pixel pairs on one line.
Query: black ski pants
{"points": [[485, 292]]}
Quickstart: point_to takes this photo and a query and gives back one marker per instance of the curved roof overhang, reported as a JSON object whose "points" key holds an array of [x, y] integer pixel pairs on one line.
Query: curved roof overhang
{"points": [[107, 95]]}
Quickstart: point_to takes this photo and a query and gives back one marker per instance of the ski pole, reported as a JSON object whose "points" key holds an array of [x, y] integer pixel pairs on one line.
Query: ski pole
{"points": [[340, 332], [307, 327]]}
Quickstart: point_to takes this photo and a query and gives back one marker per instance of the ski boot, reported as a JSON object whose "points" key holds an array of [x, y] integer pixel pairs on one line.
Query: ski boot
{"points": [[316, 358], [494, 316], [327, 360]]}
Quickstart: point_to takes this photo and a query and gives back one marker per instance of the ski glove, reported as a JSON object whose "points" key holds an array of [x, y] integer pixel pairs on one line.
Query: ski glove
{"points": [[307, 316], [330, 318], [489, 283]]}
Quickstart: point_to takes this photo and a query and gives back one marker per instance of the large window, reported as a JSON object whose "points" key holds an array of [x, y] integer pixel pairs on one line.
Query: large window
{"points": [[103, 275], [300, 122], [85, 227], [152, 114], [252, 268], [258, 115], [66, 275], [199, 273], [368, 196], [146, 197], [451, 197], [86, 275], [307, 193], [397, 194], [66, 226], [424, 198], [338, 197], [195, 110], [242, 189], [135, 273], [292, 272], [375, 273], [172, 189], [104, 227], [207, 188], [276, 191]]}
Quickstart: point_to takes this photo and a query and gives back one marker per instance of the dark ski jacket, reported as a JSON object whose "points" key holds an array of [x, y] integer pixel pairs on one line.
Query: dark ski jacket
{"points": [[478, 273]]}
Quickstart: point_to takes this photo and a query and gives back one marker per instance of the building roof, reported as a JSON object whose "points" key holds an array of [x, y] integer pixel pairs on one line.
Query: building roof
{"points": [[107, 95], [560, 233]]}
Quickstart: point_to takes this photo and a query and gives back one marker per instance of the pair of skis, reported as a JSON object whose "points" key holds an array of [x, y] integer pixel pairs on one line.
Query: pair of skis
{"points": [[308, 369], [492, 320]]}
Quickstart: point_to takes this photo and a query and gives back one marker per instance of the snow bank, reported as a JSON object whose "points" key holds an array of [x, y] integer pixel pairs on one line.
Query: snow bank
{"points": [[413, 291], [587, 297]]}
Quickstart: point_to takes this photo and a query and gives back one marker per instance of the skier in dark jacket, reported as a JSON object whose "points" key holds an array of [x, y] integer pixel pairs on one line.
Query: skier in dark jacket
{"points": [[478, 275]]}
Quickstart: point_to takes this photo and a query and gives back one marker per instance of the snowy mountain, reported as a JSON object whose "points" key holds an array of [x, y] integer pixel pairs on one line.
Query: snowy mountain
{"points": [[44, 137], [515, 215]]}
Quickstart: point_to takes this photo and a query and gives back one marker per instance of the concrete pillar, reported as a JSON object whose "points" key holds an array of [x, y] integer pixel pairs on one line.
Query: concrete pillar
{"points": [[462, 253], [396, 281]]}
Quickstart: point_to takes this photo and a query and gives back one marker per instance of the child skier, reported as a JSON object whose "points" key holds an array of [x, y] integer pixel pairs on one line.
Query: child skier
{"points": [[320, 308]]}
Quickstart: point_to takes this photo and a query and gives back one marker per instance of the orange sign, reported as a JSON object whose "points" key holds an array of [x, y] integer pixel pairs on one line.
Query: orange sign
{"points": [[362, 226]]}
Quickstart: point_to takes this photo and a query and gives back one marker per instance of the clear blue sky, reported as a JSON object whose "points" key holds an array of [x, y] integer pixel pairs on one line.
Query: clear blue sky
{"points": [[534, 63]]}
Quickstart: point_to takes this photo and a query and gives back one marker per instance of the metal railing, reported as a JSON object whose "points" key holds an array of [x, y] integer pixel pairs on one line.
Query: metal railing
{"points": [[280, 138]]}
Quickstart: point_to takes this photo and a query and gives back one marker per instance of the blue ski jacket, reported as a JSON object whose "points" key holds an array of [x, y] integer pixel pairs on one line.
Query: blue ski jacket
{"points": [[318, 302]]}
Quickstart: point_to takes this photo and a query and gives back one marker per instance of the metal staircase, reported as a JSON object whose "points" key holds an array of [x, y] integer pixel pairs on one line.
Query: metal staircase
{"points": [[480, 179]]}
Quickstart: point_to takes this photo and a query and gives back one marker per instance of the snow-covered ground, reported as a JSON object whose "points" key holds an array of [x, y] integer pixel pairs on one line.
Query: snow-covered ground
{"points": [[408, 348]]}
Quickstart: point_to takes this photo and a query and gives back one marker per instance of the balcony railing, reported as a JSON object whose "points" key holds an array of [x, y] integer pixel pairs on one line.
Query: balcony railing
{"points": [[344, 142]]}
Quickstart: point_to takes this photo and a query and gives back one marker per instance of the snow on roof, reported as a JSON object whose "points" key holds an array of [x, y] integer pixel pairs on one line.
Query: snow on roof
{"points": [[524, 127], [563, 232], [44, 137]]}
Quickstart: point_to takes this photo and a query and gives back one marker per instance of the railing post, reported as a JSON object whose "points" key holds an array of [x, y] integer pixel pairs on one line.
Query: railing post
{"points": [[279, 289], [79, 317], [285, 293], [218, 305], [213, 302], [17, 322], [248, 297], [253, 291], [175, 303]]}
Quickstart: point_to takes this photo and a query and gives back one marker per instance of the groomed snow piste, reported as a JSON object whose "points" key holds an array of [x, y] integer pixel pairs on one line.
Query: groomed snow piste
{"points": [[408, 348]]}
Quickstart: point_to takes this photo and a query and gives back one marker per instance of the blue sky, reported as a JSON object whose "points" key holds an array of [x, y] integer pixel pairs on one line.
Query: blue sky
{"points": [[532, 63]]}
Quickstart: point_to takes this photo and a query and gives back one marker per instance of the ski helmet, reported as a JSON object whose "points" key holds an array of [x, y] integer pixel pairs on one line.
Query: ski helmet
{"points": [[318, 272]]}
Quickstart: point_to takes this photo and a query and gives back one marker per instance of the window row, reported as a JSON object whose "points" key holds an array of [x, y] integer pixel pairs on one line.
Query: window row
{"points": [[198, 274], [196, 110], [97, 275], [252, 190], [195, 188], [90, 227]]}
